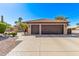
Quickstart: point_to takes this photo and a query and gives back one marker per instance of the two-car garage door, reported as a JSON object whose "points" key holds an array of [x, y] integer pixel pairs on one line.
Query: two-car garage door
{"points": [[47, 29]]}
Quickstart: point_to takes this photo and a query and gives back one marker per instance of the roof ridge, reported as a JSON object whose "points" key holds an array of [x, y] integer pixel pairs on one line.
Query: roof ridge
{"points": [[46, 20], [43, 19]]}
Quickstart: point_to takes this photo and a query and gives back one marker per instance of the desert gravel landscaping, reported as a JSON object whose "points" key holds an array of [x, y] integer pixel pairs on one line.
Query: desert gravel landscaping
{"points": [[6, 46]]}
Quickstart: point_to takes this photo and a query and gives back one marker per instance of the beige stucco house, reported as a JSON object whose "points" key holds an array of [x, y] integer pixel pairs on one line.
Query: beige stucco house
{"points": [[47, 26]]}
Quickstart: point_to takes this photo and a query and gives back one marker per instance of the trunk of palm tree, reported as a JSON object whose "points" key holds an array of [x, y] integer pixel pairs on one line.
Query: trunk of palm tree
{"points": [[2, 20]]}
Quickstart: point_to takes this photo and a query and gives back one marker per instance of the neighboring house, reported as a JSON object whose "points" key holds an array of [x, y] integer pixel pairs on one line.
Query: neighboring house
{"points": [[77, 28], [46, 26]]}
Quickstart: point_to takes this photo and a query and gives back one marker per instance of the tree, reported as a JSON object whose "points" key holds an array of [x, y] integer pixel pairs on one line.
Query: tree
{"points": [[8, 25], [24, 27], [2, 27], [61, 18], [77, 24], [16, 22], [2, 20], [21, 25], [20, 19]]}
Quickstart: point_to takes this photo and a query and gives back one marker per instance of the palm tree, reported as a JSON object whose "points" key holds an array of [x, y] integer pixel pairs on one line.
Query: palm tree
{"points": [[77, 24], [21, 25], [61, 18], [20, 19], [16, 22], [2, 20]]}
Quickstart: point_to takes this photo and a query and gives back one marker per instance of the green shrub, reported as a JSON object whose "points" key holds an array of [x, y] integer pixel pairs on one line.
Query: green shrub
{"points": [[2, 27], [5, 33], [13, 34]]}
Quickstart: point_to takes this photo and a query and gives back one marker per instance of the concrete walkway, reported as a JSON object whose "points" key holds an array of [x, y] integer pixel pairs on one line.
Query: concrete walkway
{"points": [[46, 46]]}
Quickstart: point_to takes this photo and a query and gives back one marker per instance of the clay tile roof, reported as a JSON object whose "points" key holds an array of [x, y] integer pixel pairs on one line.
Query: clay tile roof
{"points": [[47, 20]]}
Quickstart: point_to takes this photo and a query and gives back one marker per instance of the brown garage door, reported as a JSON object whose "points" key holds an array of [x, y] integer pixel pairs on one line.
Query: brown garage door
{"points": [[52, 29], [34, 29]]}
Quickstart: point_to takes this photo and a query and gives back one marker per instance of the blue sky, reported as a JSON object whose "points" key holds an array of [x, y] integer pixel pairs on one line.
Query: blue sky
{"points": [[32, 11]]}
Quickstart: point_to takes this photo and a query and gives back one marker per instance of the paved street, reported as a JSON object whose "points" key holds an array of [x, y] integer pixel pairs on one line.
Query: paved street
{"points": [[46, 46]]}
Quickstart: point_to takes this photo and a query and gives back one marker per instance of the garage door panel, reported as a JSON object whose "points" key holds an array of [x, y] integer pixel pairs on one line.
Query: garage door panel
{"points": [[34, 29], [52, 29]]}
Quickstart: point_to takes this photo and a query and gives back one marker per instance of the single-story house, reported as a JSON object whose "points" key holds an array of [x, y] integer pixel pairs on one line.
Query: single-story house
{"points": [[46, 26]]}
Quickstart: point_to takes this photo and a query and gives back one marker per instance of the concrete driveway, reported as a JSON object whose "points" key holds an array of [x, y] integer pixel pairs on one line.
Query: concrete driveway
{"points": [[46, 46]]}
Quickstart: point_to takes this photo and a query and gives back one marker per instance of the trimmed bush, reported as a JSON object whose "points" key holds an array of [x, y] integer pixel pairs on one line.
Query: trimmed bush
{"points": [[13, 34], [2, 27]]}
